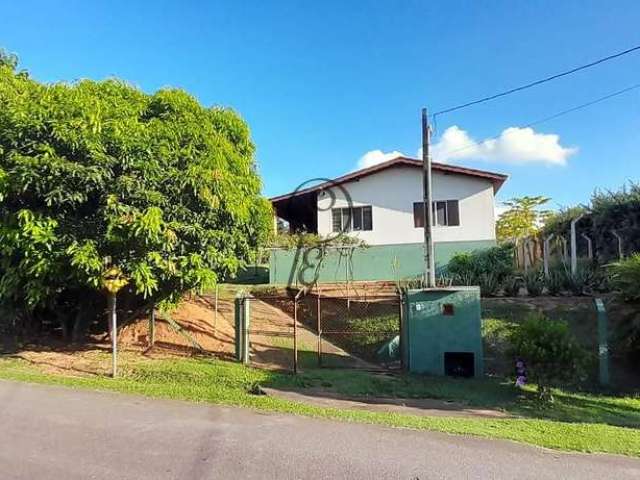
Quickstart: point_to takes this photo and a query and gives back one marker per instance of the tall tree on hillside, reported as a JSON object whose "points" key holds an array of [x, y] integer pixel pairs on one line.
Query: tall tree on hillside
{"points": [[97, 177], [522, 218]]}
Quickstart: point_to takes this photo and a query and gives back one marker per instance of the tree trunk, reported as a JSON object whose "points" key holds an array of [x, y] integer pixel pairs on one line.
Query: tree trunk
{"points": [[78, 324]]}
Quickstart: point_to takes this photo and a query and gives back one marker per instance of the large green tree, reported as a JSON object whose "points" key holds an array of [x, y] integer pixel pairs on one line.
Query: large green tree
{"points": [[100, 179]]}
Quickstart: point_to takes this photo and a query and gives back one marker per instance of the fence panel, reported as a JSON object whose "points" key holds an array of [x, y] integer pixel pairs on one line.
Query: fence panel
{"points": [[341, 328], [271, 332], [358, 331]]}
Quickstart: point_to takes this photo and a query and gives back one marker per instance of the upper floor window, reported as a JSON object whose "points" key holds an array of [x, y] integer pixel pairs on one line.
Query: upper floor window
{"points": [[352, 219], [446, 213]]}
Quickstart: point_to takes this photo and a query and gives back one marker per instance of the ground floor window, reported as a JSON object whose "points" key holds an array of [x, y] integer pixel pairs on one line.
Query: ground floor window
{"points": [[445, 213], [352, 219]]}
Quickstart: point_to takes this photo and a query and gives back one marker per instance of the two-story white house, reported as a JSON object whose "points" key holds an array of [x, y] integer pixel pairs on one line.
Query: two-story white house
{"points": [[382, 205]]}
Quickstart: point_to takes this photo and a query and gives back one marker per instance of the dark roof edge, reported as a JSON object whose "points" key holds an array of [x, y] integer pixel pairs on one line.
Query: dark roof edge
{"points": [[496, 178]]}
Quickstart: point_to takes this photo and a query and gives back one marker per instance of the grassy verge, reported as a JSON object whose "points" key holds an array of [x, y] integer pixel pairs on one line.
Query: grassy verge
{"points": [[586, 423]]}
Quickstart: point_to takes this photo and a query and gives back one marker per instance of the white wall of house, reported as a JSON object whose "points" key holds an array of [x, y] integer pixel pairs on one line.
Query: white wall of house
{"points": [[392, 193]]}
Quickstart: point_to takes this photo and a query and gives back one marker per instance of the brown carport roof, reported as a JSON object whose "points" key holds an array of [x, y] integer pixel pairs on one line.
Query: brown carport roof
{"points": [[496, 178]]}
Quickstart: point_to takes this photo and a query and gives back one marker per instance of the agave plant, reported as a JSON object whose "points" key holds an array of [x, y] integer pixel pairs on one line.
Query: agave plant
{"points": [[534, 282], [580, 282], [556, 280]]}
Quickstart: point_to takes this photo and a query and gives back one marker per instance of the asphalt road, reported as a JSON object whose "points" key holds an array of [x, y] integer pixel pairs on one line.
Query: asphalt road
{"points": [[58, 433]]}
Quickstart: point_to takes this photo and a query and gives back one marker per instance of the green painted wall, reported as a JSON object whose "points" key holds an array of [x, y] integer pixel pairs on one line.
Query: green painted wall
{"points": [[375, 262], [428, 333]]}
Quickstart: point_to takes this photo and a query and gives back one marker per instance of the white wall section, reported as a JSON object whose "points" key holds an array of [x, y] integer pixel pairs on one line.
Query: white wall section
{"points": [[393, 191]]}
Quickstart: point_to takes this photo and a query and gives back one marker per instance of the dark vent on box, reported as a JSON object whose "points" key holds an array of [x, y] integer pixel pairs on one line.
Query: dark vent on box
{"points": [[459, 364]]}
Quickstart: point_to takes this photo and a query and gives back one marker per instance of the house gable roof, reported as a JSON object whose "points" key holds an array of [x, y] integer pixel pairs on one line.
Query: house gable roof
{"points": [[497, 179]]}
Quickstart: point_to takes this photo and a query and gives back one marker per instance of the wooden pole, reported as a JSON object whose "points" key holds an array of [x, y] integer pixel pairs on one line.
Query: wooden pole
{"points": [[429, 260], [114, 334]]}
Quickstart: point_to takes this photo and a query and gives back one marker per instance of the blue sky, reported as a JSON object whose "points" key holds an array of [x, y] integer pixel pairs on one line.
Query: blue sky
{"points": [[323, 83]]}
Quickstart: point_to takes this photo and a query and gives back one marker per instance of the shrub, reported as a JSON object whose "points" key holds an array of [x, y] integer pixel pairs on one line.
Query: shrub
{"points": [[534, 282], [512, 285], [550, 352], [556, 280], [487, 268], [625, 278], [580, 282], [496, 334]]}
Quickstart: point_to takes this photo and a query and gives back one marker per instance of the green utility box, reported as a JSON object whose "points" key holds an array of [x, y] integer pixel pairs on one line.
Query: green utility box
{"points": [[441, 331]]}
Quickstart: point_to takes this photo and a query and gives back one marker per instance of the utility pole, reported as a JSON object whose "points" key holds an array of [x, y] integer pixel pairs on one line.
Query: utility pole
{"points": [[429, 256]]}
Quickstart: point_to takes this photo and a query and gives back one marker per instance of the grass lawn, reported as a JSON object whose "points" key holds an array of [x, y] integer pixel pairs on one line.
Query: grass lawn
{"points": [[579, 422]]}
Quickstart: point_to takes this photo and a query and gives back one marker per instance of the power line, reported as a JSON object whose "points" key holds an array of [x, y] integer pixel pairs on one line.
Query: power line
{"points": [[554, 116], [537, 82], [584, 105]]}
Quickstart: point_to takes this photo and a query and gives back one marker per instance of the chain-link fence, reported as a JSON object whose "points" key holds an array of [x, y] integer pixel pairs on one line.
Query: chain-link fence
{"points": [[272, 331], [325, 327]]}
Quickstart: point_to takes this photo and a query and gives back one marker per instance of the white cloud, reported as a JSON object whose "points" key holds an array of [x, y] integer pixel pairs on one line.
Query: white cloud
{"points": [[514, 145], [374, 157]]}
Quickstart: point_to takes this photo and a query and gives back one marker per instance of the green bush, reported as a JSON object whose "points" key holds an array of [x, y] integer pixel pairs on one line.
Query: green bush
{"points": [[488, 268], [556, 280], [625, 278], [512, 285], [552, 355], [580, 282], [534, 282]]}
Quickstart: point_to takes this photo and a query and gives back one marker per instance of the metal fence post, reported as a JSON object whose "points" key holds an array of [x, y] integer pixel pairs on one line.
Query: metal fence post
{"points": [[401, 322], [319, 327], [295, 334], [241, 316], [603, 346], [237, 314], [246, 316]]}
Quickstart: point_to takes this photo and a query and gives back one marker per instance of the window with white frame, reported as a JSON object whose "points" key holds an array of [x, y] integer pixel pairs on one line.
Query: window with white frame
{"points": [[352, 219], [445, 213]]}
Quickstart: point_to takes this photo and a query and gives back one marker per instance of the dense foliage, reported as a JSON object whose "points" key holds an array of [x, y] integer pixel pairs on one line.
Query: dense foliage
{"points": [[552, 355], [608, 212], [100, 179], [625, 278], [489, 268], [522, 218]]}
